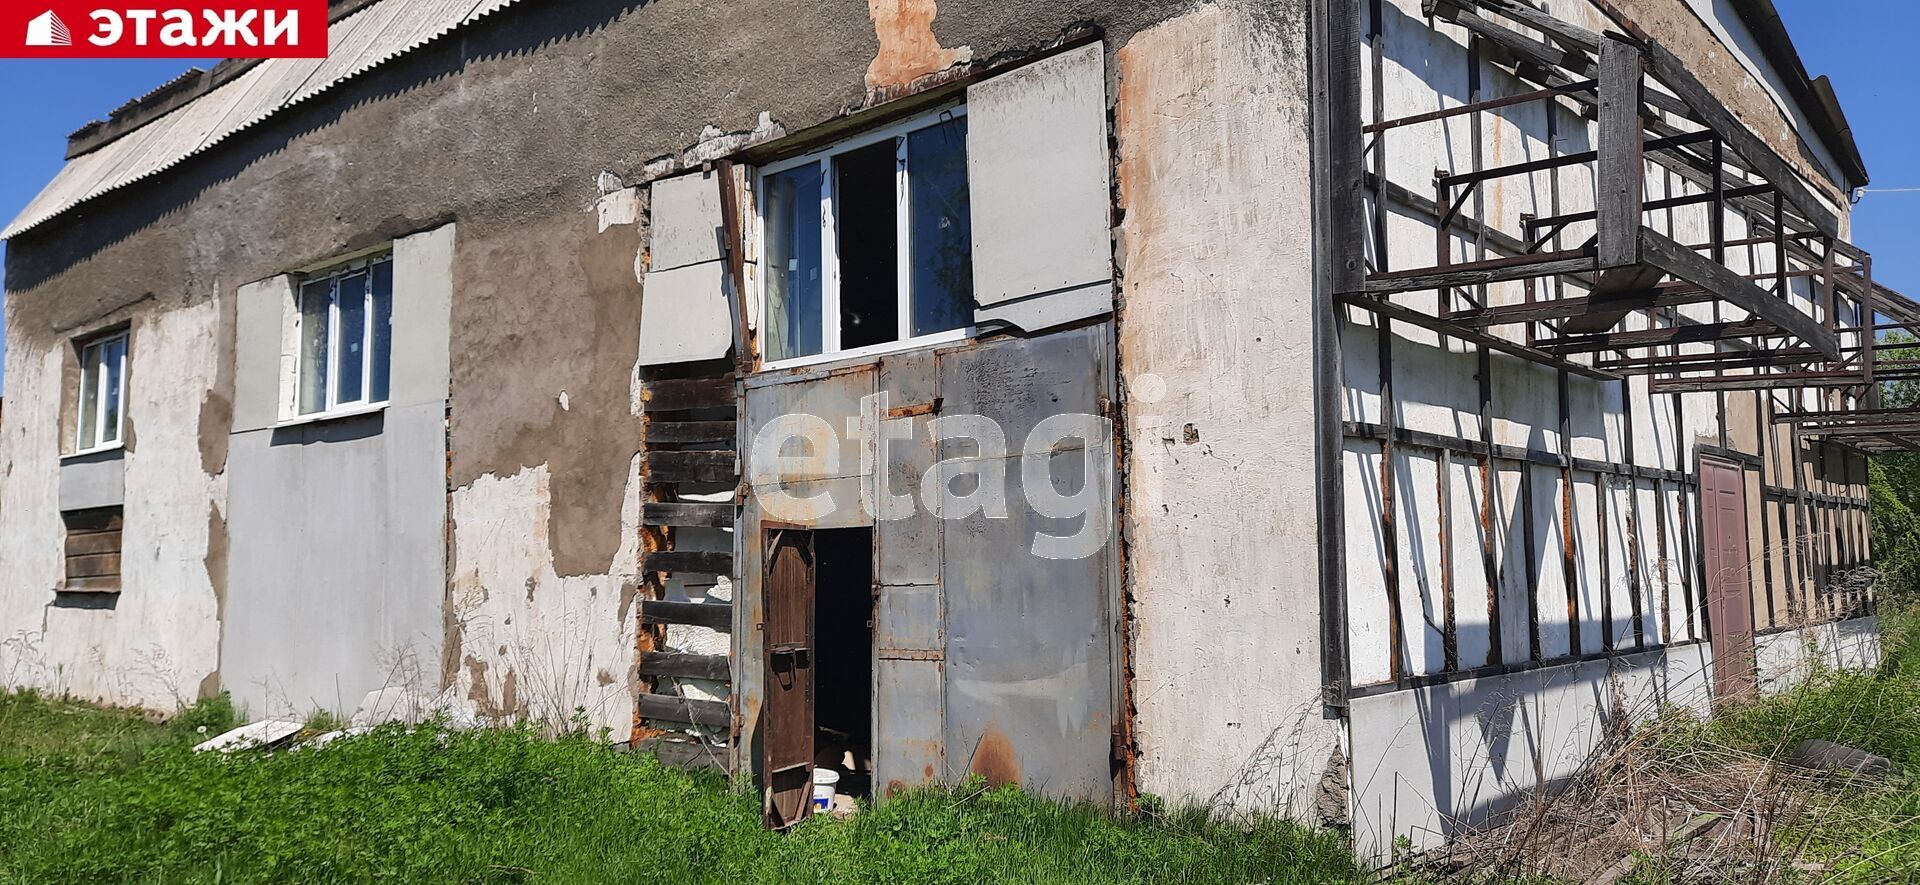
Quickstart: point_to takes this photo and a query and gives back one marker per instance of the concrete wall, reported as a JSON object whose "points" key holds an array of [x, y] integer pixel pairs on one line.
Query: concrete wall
{"points": [[337, 531], [1431, 761], [1214, 346], [1789, 656]]}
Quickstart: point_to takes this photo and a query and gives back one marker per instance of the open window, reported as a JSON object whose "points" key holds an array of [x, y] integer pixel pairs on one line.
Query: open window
{"points": [[869, 244], [345, 334], [101, 411]]}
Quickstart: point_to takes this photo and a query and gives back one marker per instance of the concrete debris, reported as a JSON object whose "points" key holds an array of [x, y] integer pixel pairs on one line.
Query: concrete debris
{"points": [[265, 733], [1829, 756], [331, 736], [411, 707]]}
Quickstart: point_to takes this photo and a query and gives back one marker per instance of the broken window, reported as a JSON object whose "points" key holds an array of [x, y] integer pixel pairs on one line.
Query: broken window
{"points": [[101, 397], [346, 337], [870, 243], [93, 550]]}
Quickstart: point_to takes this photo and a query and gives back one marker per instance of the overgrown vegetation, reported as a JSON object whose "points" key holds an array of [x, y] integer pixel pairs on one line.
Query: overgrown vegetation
{"points": [[91, 795], [1894, 484]]}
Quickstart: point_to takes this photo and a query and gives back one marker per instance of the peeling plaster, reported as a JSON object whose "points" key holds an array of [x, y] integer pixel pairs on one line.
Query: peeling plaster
{"points": [[908, 48]]}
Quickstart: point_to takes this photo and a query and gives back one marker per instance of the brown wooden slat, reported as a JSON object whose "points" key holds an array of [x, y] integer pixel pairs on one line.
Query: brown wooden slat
{"points": [[713, 616], [99, 519], [87, 543], [685, 754], [695, 466], [693, 514], [106, 584], [667, 708], [690, 432], [96, 566], [696, 561], [687, 393], [684, 666]]}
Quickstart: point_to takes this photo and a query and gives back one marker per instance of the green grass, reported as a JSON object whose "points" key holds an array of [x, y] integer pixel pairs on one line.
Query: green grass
{"points": [[1865, 832], [91, 795]]}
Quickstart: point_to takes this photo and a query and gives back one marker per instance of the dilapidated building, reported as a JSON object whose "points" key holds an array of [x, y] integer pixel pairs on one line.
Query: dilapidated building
{"points": [[1343, 409]]}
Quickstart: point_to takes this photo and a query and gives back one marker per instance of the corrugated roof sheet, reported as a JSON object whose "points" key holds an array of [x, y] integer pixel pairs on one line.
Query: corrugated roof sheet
{"points": [[359, 42]]}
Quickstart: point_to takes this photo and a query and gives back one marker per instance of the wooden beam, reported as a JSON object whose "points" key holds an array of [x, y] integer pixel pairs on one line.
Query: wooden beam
{"points": [[712, 615], [1638, 338], [683, 666], [1621, 170], [691, 754], [1465, 275], [695, 561], [687, 393], [1470, 335], [696, 465], [1673, 73], [1663, 252], [683, 432], [691, 514], [670, 708], [1560, 308]]}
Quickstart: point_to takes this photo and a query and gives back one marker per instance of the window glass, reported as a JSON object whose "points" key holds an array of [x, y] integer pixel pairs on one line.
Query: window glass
{"points": [[315, 314], [793, 273], [89, 396], [866, 206], [112, 364], [941, 228], [382, 332], [352, 329]]}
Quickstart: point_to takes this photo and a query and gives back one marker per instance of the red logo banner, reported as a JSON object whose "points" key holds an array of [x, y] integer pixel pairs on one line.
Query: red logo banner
{"points": [[162, 29]]}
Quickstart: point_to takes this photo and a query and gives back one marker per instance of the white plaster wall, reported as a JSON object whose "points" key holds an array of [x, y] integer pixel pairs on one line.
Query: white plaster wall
{"points": [[1789, 656], [533, 643], [160, 641], [1216, 298], [1428, 762]]}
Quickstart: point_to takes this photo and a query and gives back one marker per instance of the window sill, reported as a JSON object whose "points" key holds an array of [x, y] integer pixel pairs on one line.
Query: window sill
{"points": [[336, 414], [872, 350], [96, 450]]}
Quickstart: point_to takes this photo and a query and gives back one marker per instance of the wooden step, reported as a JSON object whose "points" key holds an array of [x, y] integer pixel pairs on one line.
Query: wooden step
{"points": [[668, 708], [700, 562], [716, 465], [692, 514], [681, 432], [711, 615], [684, 666], [686, 393]]}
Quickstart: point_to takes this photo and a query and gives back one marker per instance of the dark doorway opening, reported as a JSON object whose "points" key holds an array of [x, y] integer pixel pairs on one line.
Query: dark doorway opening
{"points": [[843, 621]]}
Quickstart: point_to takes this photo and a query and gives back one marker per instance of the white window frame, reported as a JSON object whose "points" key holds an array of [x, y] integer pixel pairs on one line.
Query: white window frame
{"points": [[82, 445], [830, 350], [332, 407]]}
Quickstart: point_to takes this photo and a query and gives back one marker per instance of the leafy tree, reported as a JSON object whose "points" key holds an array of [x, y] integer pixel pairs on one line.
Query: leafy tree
{"points": [[1894, 487]]}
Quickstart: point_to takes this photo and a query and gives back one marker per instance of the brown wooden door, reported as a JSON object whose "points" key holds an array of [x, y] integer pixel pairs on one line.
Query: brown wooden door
{"points": [[1723, 541], [787, 730]]}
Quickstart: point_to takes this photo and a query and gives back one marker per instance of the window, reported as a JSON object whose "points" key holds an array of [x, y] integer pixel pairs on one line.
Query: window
{"points": [[103, 372], [93, 550], [870, 243], [346, 337]]}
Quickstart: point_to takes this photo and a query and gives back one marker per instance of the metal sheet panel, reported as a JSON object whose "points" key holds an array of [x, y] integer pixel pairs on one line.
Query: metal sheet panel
{"points": [[1037, 180], [685, 315], [832, 397], [910, 722], [686, 220], [1030, 681], [908, 548]]}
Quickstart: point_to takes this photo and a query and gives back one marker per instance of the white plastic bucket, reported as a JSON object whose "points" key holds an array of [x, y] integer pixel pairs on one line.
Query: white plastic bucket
{"points": [[826, 782]]}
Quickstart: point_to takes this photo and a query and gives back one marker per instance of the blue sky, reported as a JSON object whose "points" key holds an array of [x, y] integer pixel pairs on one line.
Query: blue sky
{"points": [[1867, 50]]}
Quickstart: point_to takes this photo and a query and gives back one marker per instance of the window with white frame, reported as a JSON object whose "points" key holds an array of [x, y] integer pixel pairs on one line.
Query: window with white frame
{"points": [[102, 393], [345, 335], [870, 243]]}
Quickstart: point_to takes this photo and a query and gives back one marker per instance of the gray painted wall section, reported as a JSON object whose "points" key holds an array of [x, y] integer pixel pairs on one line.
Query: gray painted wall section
{"points": [[685, 313], [97, 480], [337, 572]]}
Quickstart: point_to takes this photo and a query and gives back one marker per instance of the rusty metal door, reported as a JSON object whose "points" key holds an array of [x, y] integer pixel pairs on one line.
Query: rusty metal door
{"points": [[1723, 541], [787, 730]]}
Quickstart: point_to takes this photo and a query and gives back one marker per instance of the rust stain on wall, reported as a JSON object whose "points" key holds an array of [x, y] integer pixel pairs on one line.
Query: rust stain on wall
{"points": [[908, 48], [994, 759]]}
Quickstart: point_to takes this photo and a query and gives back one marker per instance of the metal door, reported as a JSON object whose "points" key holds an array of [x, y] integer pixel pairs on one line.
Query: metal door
{"points": [[1723, 534], [787, 730]]}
